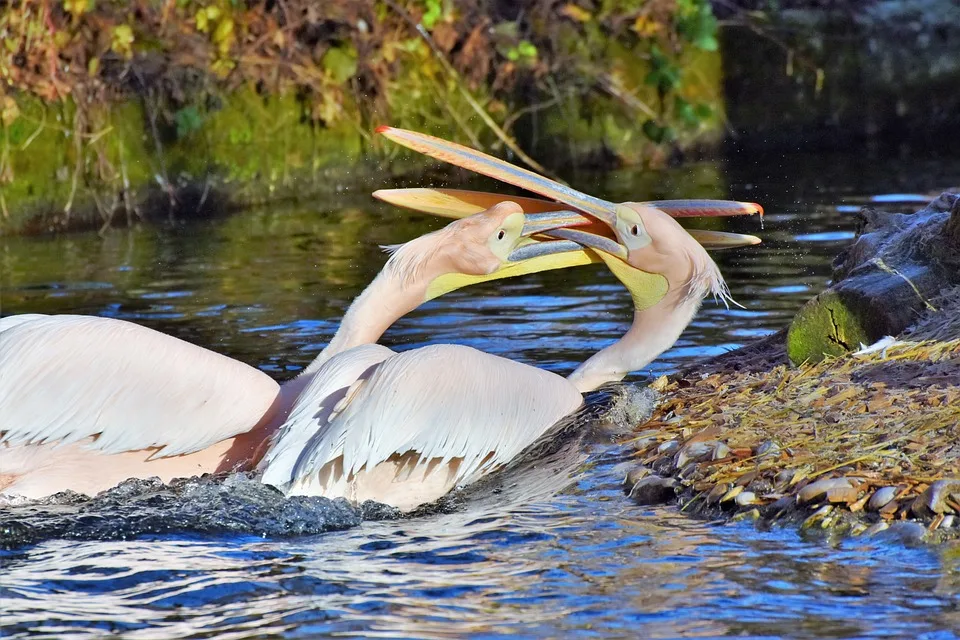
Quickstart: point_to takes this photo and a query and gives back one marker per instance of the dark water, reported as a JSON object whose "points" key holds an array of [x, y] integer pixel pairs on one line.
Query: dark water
{"points": [[269, 286]]}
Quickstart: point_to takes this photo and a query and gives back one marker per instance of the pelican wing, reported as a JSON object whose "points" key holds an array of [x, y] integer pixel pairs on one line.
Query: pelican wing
{"points": [[445, 403], [309, 419], [68, 378], [460, 203]]}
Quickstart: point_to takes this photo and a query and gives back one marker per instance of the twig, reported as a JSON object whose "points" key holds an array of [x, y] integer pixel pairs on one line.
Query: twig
{"points": [[33, 136], [78, 149], [615, 89], [456, 117], [480, 111], [533, 108]]}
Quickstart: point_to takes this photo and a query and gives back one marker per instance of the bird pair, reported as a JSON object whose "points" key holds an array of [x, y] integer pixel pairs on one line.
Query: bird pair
{"points": [[89, 402]]}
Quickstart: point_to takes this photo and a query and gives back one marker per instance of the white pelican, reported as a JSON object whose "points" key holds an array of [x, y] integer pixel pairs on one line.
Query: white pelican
{"points": [[406, 428], [87, 402]]}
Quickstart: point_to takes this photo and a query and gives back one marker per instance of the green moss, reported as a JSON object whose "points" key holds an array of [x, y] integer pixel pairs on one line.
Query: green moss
{"points": [[828, 325], [246, 146], [596, 123]]}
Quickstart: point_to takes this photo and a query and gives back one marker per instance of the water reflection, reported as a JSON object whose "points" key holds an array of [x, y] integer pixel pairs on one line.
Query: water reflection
{"points": [[269, 286]]}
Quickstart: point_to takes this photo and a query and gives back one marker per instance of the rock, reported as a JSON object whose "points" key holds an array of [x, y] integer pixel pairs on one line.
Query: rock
{"points": [[767, 449], [881, 497], [717, 493], [819, 488], [633, 477], [844, 495], [746, 498], [654, 490], [882, 282], [668, 447], [934, 498], [695, 451], [687, 472], [907, 532], [874, 529]]}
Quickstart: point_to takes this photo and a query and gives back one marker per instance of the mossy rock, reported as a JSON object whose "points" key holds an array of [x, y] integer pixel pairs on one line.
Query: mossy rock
{"points": [[828, 325]]}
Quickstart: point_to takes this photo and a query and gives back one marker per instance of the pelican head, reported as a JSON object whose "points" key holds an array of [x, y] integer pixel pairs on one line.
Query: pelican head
{"points": [[493, 244], [667, 272], [490, 245], [665, 267]]}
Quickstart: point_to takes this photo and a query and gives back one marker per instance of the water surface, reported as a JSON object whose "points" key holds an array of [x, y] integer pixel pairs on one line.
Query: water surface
{"points": [[268, 287]]}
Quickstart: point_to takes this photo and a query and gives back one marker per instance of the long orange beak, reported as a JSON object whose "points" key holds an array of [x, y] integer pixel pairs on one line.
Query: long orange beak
{"points": [[487, 165], [498, 169], [460, 203]]}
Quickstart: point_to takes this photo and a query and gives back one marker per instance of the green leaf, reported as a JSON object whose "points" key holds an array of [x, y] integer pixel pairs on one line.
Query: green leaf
{"points": [[653, 131], [685, 112], [433, 14], [187, 120], [341, 62], [707, 43], [703, 111], [527, 49]]}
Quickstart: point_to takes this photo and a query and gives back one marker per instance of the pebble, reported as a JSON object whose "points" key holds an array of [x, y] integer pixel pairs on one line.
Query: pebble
{"points": [[654, 490], [721, 451], [817, 516], [934, 499], [746, 498], [753, 514], [818, 488], [634, 476], [717, 493], [784, 478], [668, 447], [768, 449], [881, 497], [646, 438]]}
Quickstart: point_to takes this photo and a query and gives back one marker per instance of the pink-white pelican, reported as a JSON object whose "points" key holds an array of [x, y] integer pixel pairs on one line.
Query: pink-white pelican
{"points": [[406, 428], [87, 402]]}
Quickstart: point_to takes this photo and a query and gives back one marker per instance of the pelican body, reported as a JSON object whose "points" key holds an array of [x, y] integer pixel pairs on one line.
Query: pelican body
{"points": [[87, 402]]}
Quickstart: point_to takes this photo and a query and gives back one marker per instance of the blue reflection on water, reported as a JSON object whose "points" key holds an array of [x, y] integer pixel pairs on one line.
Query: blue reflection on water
{"points": [[584, 562]]}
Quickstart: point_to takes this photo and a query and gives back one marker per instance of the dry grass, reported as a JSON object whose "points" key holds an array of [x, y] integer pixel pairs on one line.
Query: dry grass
{"points": [[752, 433]]}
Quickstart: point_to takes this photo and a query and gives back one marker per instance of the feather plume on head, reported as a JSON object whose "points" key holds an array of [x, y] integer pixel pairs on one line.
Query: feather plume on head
{"points": [[706, 278]]}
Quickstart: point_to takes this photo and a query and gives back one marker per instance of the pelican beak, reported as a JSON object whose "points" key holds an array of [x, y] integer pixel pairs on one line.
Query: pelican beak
{"points": [[646, 289], [593, 241], [531, 256], [487, 165], [550, 220]]}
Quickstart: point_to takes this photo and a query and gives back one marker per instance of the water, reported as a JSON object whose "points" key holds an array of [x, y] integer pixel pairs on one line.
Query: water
{"points": [[268, 287]]}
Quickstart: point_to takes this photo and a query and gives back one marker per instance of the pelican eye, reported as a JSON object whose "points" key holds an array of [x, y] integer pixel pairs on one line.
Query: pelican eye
{"points": [[501, 234], [635, 230]]}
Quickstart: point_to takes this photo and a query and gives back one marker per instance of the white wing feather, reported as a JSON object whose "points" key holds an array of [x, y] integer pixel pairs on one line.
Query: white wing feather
{"points": [[445, 402], [311, 411], [67, 378]]}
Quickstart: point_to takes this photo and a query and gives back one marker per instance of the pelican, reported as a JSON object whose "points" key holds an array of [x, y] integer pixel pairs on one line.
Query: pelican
{"points": [[87, 402], [406, 428]]}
